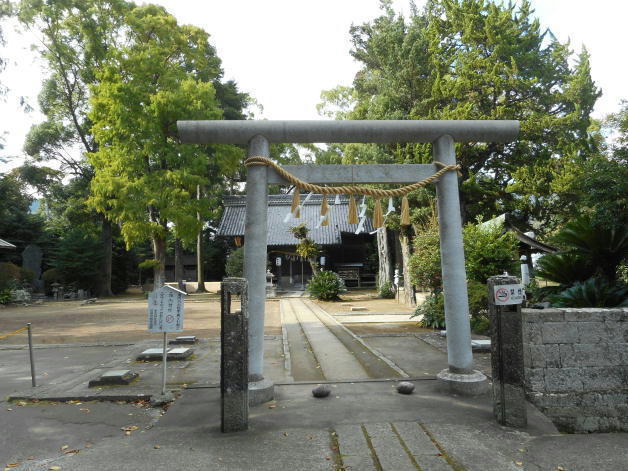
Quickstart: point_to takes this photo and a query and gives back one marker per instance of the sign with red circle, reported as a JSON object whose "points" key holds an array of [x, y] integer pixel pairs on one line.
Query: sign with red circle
{"points": [[508, 294]]}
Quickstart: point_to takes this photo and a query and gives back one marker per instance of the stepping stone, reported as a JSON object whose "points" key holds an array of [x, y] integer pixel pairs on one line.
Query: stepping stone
{"points": [[481, 345], [185, 339], [346, 304], [152, 354], [179, 353], [443, 333], [114, 377], [359, 308]]}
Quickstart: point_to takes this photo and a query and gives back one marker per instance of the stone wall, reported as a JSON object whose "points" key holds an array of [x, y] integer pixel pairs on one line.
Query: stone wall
{"points": [[576, 367]]}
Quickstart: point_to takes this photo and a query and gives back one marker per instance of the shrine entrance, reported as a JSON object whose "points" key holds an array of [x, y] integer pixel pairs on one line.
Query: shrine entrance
{"points": [[460, 377]]}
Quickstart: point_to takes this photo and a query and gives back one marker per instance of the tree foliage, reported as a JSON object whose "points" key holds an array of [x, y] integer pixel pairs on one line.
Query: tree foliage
{"points": [[477, 59]]}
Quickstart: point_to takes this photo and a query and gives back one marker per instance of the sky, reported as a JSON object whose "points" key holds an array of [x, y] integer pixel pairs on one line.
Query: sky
{"points": [[285, 52]]}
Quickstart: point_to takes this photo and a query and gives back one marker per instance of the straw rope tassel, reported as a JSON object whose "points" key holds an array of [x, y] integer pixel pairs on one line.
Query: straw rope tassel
{"points": [[296, 202], [325, 211], [378, 216], [353, 211], [405, 211]]}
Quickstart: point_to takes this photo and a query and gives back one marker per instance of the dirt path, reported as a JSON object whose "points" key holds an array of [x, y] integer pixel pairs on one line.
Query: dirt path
{"points": [[113, 320]]}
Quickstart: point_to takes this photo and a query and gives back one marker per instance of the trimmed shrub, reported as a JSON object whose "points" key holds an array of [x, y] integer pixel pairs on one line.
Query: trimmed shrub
{"points": [[235, 263], [432, 310], [386, 291], [326, 286]]}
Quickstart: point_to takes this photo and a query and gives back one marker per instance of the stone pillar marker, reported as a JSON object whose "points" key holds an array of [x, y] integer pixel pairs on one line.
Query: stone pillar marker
{"points": [[234, 371], [255, 238], [509, 399]]}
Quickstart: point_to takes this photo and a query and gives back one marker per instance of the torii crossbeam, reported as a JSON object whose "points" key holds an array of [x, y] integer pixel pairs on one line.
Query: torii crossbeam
{"points": [[460, 376]]}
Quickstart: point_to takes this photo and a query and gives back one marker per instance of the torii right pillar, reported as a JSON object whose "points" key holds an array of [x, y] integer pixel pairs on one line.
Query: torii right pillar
{"points": [[460, 377]]}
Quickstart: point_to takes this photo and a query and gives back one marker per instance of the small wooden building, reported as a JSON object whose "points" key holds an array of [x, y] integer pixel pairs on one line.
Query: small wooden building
{"points": [[342, 250]]}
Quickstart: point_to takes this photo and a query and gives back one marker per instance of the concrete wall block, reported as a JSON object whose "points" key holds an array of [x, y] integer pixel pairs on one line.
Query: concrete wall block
{"points": [[532, 333], [535, 356], [552, 356], [563, 379], [587, 424], [567, 355], [603, 378], [591, 355], [615, 314], [593, 332], [543, 315], [617, 354], [583, 315], [617, 332], [534, 379], [569, 411], [559, 332]]}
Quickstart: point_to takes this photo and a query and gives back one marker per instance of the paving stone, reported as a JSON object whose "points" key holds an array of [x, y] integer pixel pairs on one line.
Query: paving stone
{"points": [[481, 345], [415, 439], [388, 448], [179, 353], [353, 448], [113, 377], [152, 354], [185, 339]]}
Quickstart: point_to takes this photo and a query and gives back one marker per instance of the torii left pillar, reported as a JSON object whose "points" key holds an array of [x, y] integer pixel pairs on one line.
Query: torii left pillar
{"points": [[255, 237]]}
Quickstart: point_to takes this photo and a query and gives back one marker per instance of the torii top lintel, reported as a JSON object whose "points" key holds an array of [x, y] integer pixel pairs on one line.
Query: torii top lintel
{"points": [[310, 131]]}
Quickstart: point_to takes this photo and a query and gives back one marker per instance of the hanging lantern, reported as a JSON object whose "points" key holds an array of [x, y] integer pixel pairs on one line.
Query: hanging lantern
{"points": [[237, 241]]}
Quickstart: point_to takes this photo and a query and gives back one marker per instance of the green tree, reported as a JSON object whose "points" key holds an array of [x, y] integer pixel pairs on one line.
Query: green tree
{"points": [[145, 180], [75, 37], [477, 59]]}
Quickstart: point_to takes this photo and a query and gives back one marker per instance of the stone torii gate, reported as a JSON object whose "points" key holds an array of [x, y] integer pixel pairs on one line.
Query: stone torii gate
{"points": [[459, 377]]}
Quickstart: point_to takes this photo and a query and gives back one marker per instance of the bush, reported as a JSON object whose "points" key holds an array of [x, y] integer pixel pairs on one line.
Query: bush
{"points": [[10, 275], [235, 263], [5, 296], [386, 291], [326, 286], [488, 252], [433, 311], [480, 325], [595, 292], [425, 270], [478, 299]]}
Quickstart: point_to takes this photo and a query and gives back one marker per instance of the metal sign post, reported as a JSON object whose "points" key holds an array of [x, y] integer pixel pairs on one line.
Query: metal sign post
{"points": [[165, 314]]}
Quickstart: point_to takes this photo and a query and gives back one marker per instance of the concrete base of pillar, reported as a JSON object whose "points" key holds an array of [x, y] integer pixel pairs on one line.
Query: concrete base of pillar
{"points": [[469, 384], [261, 391]]}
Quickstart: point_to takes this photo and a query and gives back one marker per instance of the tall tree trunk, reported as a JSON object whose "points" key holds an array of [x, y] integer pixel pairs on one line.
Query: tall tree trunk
{"points": [[159, 251], [107, 243], [313, 265], [178, 263], [383, 254], [408, 289], [200, 261]]}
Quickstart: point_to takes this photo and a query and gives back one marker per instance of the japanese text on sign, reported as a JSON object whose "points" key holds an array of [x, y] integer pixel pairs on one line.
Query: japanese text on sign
{"points": [[165, 310], [508, 294]]}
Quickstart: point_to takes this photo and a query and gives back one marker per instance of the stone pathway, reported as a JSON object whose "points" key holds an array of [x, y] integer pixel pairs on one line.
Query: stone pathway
{"points": [[335, 361], [398, 446]]}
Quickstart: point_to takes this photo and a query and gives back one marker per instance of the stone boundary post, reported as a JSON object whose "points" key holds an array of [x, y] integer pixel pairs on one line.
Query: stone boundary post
{"points": [[509, 399], [234, 364]]}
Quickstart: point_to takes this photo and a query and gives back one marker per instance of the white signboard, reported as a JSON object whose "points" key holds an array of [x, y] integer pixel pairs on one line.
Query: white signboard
{"points": [[165, 310], [508, 294]]}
